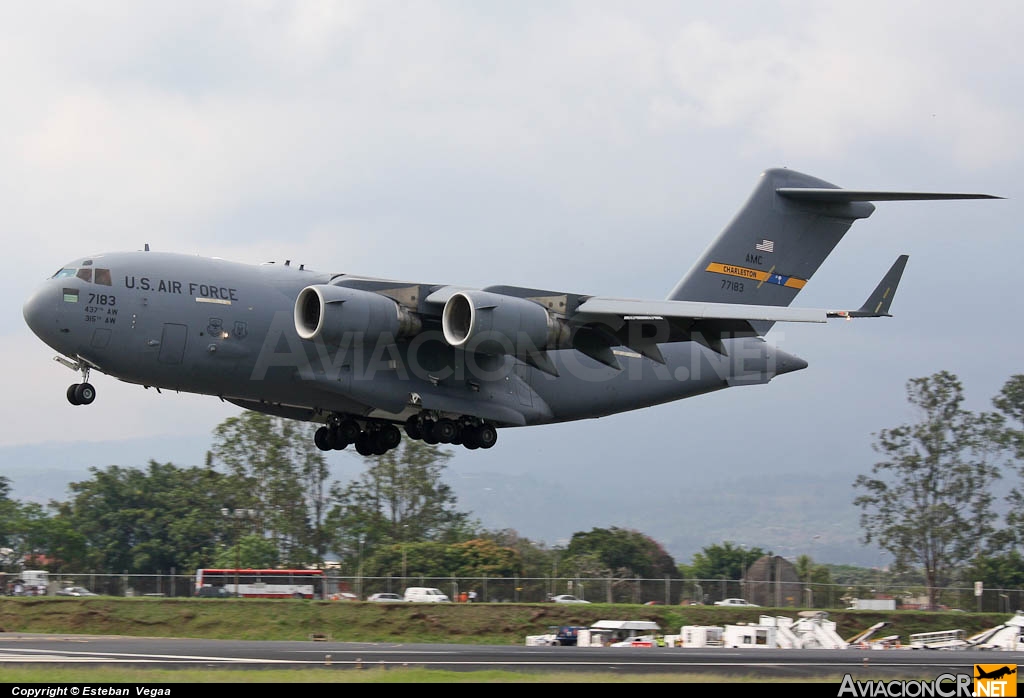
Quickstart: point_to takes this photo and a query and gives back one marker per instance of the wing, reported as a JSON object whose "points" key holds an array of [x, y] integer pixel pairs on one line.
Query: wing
{"points": [[601, 323], [527, 323]]}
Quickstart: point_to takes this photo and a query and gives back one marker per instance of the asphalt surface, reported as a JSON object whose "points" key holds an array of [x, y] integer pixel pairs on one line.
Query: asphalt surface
{"points": [[76, 650]]}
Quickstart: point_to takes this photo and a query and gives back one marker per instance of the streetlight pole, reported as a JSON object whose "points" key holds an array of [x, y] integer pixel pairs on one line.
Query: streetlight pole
{"points": [[743, 572], [359, 576], [237, 515], [405, 528], [810, 565]]}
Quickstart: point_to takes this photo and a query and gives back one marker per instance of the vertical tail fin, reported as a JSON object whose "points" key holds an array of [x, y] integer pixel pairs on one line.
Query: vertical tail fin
{"points": [[780, 237], [773, 246]]}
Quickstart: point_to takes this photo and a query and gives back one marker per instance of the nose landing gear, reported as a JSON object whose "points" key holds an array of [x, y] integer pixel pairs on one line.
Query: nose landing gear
{"points": [[79, 393]]}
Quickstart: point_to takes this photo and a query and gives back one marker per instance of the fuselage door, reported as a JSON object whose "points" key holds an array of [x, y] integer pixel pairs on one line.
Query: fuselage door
{"points": [[172, 343]]}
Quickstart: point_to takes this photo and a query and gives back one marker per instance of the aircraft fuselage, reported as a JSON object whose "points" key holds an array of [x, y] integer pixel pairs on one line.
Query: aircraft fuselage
{"points": [[214, 327]]}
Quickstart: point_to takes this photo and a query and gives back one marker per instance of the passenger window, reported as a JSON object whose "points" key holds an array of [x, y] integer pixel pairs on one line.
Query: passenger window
{"points": [[102, 277], [85, 275]]}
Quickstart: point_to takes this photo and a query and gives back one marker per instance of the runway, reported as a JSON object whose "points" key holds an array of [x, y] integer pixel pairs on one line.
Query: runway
{"points": [[70, 650]]}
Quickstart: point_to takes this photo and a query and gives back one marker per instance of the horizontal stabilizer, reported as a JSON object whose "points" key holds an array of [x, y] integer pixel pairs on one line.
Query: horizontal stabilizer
{"points": [[877, 304], [847, 195]]}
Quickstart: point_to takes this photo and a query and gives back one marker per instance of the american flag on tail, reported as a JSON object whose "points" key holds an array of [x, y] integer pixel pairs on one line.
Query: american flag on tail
{"points": [[765, 246]]}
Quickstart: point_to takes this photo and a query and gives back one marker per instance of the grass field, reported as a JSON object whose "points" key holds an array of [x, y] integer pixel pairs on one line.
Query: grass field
{"points": [[492, 624]]}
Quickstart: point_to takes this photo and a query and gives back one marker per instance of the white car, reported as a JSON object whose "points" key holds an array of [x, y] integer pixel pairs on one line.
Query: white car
{"points": [[567, 598], [425, 595], [736, 602], [75, 591], [385, 597]]}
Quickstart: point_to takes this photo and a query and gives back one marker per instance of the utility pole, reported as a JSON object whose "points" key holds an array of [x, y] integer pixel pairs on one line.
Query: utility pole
{"points": [[238, 515]]}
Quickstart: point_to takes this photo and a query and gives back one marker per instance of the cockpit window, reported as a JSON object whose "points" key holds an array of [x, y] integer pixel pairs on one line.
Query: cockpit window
{"points": [[102, 276]]}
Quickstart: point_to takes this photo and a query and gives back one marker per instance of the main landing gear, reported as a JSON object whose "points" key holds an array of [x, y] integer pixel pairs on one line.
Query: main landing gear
{"points": [[470, 433], [371, 440], [376, 439]]}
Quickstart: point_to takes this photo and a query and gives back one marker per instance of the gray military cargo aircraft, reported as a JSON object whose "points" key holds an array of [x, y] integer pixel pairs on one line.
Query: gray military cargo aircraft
{"points": [[362, 356]]}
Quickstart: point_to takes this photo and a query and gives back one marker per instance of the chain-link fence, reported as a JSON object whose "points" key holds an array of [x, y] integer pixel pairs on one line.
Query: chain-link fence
{"points": [[667, 591]]}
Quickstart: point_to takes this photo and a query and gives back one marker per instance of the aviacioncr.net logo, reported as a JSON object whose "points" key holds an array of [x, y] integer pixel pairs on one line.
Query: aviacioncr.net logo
{"points": [[945, 686]]}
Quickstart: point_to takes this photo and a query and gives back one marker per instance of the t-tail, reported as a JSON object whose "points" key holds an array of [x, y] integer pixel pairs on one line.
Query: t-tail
{"points": [[780, 237]]}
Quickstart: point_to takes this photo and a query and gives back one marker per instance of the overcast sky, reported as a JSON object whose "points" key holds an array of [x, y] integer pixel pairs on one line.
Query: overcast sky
{"points": [[590, 147]]}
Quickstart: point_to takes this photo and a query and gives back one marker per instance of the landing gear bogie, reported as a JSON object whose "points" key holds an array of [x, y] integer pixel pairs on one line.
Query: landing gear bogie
{"points": [[466, 431], [369, 438]]}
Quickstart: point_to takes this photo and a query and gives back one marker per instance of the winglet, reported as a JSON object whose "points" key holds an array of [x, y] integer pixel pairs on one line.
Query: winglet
{"points": [[877, 304]]}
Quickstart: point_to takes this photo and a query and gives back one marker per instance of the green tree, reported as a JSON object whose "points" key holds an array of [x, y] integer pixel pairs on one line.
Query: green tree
{"points": [[620, 552], [1010, 403], [10, 526], [250, 551], [929, 502], [283, 477], [725, 561], [399, 499], [536, 559], [142, 521], [471, 558], [32, 538]]}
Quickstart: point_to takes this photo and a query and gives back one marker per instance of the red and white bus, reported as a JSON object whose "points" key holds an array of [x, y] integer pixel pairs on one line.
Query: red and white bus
{"points": [[261, 584]]}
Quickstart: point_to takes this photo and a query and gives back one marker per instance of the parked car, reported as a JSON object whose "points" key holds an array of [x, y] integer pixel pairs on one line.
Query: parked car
{"points": [[343, 596], [736, 602], [567, 598], [75, 591], [425, 594], [213, 592], [385, 597]]}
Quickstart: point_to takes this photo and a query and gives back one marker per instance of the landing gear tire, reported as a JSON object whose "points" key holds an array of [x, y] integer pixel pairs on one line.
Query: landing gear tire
{"points": [[445, 430], [390, 436], [322, 439], [486, 435], [336, 440], [349, 430], [428, 434], [71, 394], [414, 427], [364, 444], [85, 393], [378, 444]]}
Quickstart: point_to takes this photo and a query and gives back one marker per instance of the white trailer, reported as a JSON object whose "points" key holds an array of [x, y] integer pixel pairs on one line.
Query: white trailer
{"points": [[873, 605], [608, 632]]}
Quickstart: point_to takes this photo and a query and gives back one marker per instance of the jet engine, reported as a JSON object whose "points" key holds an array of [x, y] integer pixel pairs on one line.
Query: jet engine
{"points": [[332, 312], [493, 323]]}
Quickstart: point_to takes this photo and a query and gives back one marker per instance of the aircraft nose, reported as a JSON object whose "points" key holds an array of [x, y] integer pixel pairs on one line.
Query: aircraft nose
{"points": [[40, 313]]}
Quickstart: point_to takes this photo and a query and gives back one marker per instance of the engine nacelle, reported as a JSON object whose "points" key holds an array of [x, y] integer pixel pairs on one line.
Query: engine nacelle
{"points": [[332, 312], [493, 323]]}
